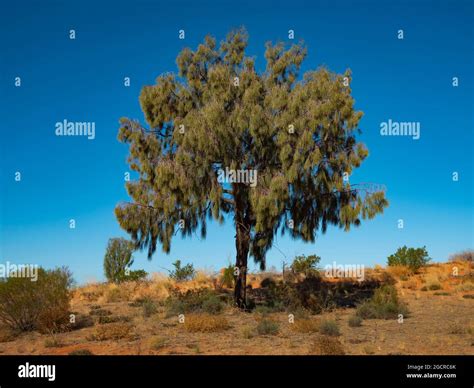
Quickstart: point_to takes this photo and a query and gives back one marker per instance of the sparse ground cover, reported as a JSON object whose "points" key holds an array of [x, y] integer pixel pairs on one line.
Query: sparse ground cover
{"points": [[162, 316]]}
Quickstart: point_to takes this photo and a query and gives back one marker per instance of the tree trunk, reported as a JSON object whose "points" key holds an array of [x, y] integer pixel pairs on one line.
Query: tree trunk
{"points": [[242, 244]]}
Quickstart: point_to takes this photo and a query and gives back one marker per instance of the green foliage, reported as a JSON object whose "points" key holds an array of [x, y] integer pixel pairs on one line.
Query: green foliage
{"points": [[36, 305], [384, 304], [118, 257], [136, 275], [181, 274], [414, 258], [298, 131], [306, 265], [267, 327], [329, 327], [228, 277], [194, 301]]}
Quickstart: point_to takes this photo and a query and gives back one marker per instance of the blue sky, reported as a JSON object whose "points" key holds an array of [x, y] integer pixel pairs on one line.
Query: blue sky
{"points": [[65, 178]]}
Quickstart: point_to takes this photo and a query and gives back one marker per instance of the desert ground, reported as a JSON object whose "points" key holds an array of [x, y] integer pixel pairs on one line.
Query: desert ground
{"points": [[113, 319]]}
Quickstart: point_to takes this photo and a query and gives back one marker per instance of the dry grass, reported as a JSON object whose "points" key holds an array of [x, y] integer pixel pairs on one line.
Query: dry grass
{"points": [[305, 326], [205, 323], [111, 331], [329, 346]]}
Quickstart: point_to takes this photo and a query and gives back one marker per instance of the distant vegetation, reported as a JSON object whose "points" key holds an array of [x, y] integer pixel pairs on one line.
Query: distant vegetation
{"points": [[117, 261], [181, 274], [414, 258]]}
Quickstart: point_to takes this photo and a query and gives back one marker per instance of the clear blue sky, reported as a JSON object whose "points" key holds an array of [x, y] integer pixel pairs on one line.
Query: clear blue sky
{"points": [[82, 80]]}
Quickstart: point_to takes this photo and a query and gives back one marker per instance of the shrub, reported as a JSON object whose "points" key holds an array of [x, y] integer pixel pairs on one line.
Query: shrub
{"points": [[383, 305], [205, 323], [329, 327], [81, 352], [355, 321], [268, 327], [414, 258], [212, 305], [118, 257], [305, 265], [148, 307], [111, 331], [228, 278], [434, 286], [193, 301], [52, 342], [467, 255], [329, 346], [36, 305], [113, 318], [135, 276], [158, 343], [181, 274], [305, 326]]}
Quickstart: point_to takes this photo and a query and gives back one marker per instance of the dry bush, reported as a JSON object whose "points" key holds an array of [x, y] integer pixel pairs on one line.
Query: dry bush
{"points": [[111, 331], [6, 334], [205, 323], [90, 292], [467, 255], [329, 346], [41, 305], [305, 326], [433, 282], [399, 271], [411, 284], [465, 286]]}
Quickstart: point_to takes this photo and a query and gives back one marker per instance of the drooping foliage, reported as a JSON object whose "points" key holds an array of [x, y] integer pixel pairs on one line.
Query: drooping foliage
{"points": [[297, 132]]}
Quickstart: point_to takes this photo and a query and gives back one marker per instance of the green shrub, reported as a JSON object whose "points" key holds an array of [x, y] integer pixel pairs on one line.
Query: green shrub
{"points": [[228, 277], [212, 305], [384, 304], [193, 301], [136, 275], [268, 327], [329, 327], [149, 308], [355, 321], [306, 265], [36, 305], [434, 286], [118, 257], [414, 258], [181, 274]]}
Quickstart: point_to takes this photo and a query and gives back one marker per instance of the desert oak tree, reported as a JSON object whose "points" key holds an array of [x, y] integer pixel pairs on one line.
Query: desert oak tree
{"points": [[219, 112]]}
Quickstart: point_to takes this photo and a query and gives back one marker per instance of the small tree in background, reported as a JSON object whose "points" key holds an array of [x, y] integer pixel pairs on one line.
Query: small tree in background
{"points": [[118, 257], [414, 258], [180, 274], [306, 265]]}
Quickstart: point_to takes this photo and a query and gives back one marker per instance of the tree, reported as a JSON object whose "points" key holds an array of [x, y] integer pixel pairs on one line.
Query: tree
{"points": [[220, 114], [118, 257], [414, 258]]}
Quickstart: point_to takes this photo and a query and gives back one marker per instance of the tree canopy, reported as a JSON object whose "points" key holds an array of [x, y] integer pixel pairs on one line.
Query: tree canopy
{"points": [[218, 112]]}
